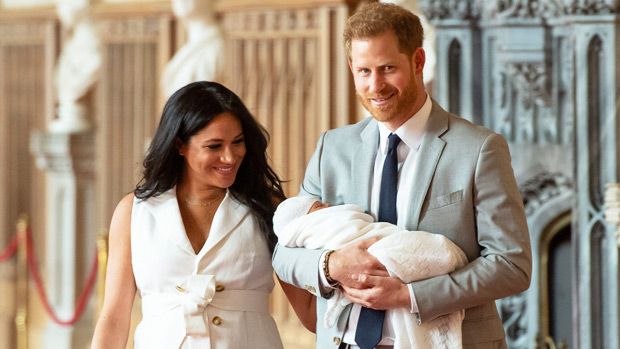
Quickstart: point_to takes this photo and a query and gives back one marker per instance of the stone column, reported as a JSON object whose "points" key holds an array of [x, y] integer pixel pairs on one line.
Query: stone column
{"points": [[68, 159]]}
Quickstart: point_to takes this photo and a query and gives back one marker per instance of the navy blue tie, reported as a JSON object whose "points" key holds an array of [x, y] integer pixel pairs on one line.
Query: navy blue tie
{"points": [[370, 324]]}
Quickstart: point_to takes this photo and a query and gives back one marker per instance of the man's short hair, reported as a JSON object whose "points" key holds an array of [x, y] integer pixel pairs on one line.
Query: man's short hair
{"points": [[377, 18]]}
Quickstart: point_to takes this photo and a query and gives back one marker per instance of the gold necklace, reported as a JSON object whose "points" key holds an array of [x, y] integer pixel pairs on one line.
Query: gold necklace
{"points": [[202, 203]]}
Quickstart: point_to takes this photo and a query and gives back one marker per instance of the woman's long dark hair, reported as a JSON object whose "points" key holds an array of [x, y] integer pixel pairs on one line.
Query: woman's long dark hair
{"points": [[187, 112]]}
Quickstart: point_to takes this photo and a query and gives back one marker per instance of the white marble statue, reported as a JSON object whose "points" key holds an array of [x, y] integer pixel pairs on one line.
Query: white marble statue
{"points": [[202, 56], [79, 65]]}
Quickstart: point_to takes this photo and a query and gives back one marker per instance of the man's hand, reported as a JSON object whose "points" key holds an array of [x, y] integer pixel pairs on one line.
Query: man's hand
{"points": [[382, 292], [347, 263]]}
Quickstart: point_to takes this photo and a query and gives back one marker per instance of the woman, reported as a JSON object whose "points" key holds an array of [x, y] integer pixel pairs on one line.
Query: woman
{"points": [[195, 238]]}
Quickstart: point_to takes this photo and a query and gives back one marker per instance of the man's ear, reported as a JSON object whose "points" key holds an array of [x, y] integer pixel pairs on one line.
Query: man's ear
{"points": [[418, 60]]}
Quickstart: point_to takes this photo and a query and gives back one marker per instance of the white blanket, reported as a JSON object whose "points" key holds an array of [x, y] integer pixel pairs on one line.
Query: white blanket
{"points": [[408, 255]]}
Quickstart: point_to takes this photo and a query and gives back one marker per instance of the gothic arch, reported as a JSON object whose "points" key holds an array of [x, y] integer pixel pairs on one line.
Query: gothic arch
{"points": [[547, 198], [595, 108]]}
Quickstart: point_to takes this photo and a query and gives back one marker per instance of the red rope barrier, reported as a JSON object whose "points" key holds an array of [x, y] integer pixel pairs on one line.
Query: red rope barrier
{"points": [[10, 249], [82, 299]]}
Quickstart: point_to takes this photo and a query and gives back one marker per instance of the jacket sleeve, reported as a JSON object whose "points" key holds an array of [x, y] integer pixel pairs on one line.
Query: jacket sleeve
{"points": [[300, 266], [505, 262]]}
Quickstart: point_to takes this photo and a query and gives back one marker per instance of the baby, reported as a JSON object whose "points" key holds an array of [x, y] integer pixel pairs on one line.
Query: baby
{"points": [[305, 221]]}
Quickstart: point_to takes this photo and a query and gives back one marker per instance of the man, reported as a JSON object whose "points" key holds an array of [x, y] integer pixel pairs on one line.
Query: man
{"points": [[429, 170]]}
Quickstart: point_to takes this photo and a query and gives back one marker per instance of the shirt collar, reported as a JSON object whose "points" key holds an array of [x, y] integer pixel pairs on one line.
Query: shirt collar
{"points": [[411, 131]]}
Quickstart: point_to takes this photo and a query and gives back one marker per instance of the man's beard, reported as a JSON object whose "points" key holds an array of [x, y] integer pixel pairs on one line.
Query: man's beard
{"points": [[398, 105]]}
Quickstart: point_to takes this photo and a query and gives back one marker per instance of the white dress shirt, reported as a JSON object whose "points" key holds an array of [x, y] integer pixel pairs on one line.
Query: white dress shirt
{"points": [[410, 133]]}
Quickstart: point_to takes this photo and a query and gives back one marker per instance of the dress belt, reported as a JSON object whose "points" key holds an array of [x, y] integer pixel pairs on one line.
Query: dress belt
{"points": [[236, 300], [184, 311]]}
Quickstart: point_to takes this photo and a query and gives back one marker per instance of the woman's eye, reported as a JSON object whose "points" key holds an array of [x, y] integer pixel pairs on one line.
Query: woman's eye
{"points": [[239, 141], [214, 146]]}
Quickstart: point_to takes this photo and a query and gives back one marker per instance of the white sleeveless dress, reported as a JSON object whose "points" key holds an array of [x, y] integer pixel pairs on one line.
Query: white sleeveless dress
{"points": [[215, 299]]}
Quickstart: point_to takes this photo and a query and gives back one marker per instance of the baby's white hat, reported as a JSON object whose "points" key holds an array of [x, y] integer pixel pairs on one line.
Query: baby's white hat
{"points": [[290, 209]]}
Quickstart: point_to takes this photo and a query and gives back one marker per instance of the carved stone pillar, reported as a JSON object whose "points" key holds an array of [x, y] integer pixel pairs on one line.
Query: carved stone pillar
{"points": [[68, 160]]}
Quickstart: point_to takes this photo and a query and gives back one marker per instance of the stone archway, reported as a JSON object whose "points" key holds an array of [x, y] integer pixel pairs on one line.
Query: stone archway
{"points": [[548, 199]]}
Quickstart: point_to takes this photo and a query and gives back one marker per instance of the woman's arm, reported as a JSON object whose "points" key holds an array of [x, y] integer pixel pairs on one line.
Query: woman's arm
{"points": [[304, 304], [113, 324]]}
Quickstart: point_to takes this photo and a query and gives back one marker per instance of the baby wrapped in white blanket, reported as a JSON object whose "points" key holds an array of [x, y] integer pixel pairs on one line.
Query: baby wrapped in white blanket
{"points": [[407, 255]]}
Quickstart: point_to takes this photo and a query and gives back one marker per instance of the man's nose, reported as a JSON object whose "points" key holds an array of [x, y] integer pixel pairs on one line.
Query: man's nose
{"points": [[376, 83]]}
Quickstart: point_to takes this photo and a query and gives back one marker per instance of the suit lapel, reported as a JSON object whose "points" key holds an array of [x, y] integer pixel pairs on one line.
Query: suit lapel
{"points": [[426, 162], [363, 166]]}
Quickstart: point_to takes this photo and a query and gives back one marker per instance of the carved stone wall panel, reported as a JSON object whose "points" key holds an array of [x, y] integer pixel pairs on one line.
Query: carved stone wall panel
{"points": [[462, 35], [538, 92], [517, 95], [25, 52], [595, 236]]}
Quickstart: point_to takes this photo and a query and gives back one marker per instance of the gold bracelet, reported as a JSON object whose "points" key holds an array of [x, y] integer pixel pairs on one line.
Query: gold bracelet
{"points": [[330, 281]]}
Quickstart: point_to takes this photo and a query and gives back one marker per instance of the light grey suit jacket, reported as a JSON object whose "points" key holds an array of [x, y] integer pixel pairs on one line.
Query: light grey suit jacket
{"points": [[463, 188]]}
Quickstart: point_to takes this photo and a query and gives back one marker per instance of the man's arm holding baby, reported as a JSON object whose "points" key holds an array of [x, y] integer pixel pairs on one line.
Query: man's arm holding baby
{"points": [[364, 280]]}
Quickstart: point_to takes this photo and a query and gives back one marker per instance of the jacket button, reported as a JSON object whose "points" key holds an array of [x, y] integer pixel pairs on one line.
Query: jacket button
{"points": [[216, 320], [219, 288], [336, 340]]}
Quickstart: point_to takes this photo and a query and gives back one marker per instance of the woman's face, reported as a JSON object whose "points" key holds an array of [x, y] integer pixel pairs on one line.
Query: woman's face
{"points": [[214, 154]]}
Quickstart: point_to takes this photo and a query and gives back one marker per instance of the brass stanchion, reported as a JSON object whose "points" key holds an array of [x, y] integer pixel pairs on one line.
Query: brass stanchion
{"points": [[21, 316], [102, 262]]}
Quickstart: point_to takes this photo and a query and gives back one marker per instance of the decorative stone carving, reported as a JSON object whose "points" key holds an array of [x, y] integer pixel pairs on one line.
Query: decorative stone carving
{"points": [[542, 188], [498, 9], [589, 7], [518, 8], [79, 66], [513, 311], [22, 32], [202, 57], [140, 29], [450, 9], [524, 110], [530, 80]]}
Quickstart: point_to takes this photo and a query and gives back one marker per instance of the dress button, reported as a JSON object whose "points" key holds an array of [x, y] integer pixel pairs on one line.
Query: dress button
{"points": [[180, 289], [219, 288], [216, 320], [336, 340]]}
